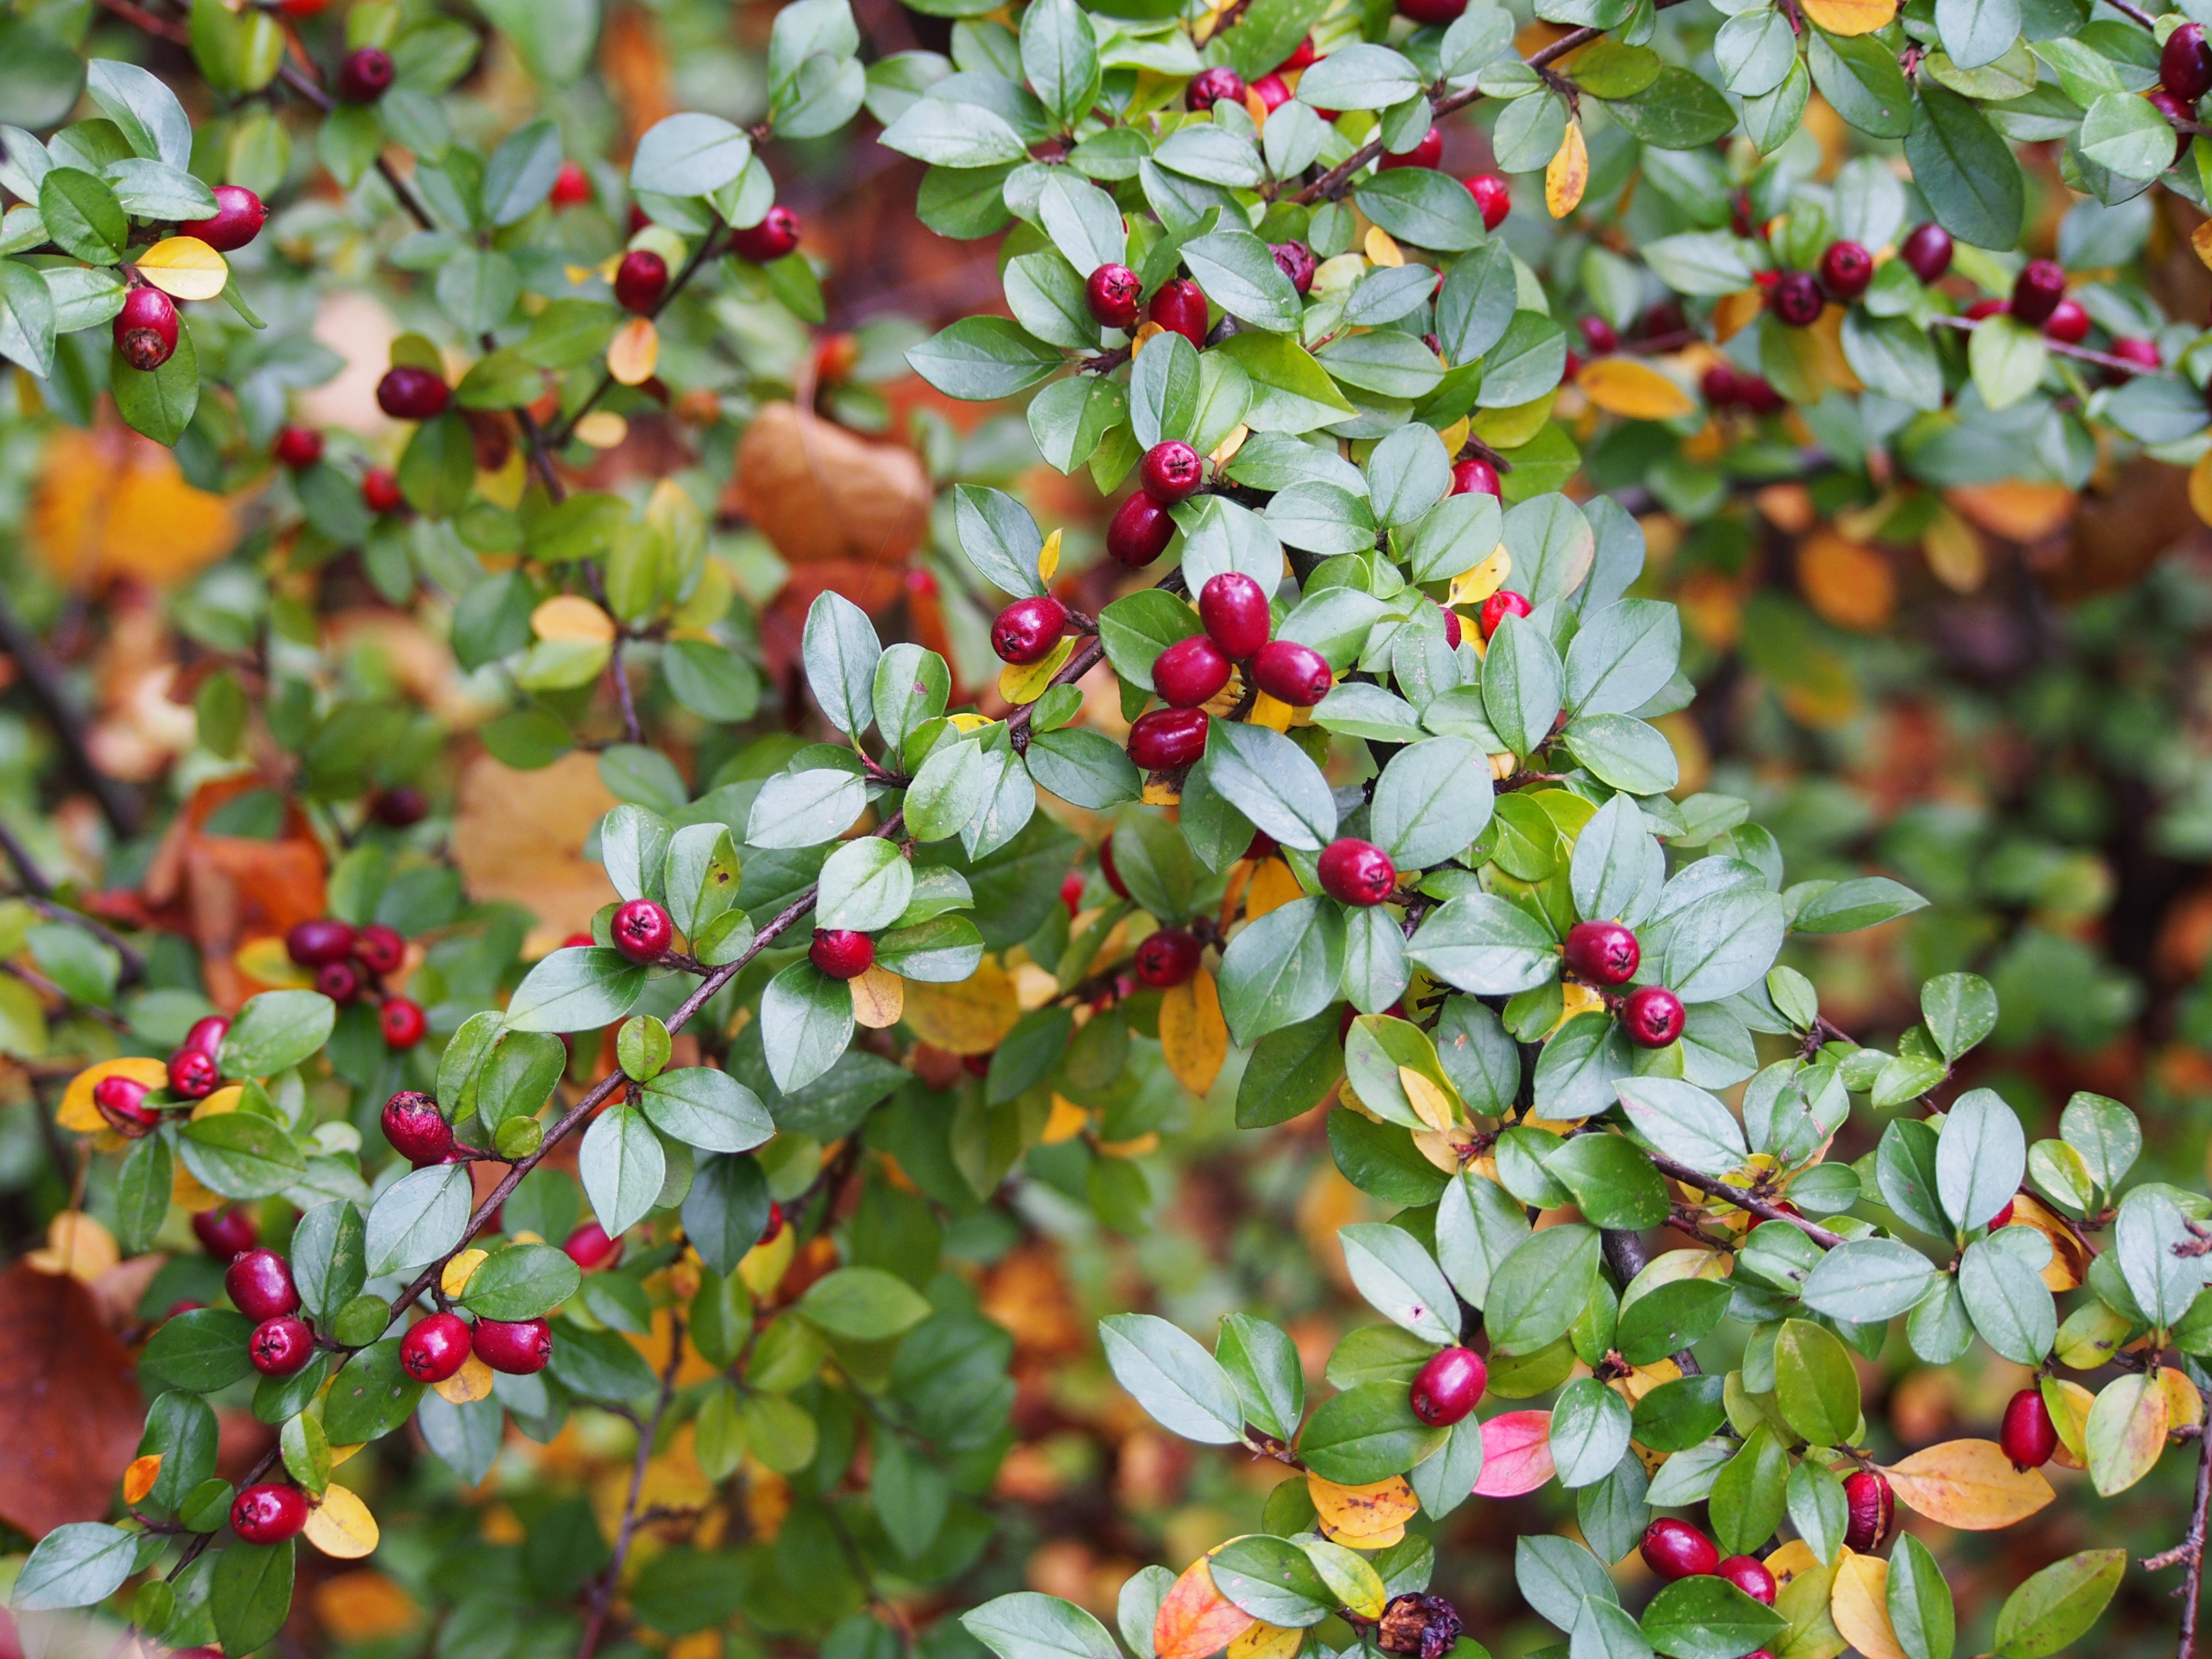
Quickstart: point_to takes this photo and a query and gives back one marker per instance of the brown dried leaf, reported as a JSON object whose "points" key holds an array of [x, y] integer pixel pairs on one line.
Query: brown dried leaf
{"points": [[73, 1413], [819, 492], [519, 836]]}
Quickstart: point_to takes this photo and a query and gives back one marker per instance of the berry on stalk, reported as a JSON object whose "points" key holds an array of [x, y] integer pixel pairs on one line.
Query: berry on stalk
{"points": [[1272, 90], [1475, 476], [1794, 299], [1436, 13], [1927, 249], [415, 1127], [1426, 153], [776, 236], [2133, 349], [640, 280], [1167, 958], [1749, 1575], [269, 1513], [238, 218], [2036, 291], [1870, 1508], [589, 1247], [1234, 609], [1167, 739], [1208, 87], [1652, 1016], [572, 186], [1448, 1386], [1170, 471], [280, 1347], [409, 393], [366, 75], [1355, 871], [2184, 63], [1602, 952], [379, 949], [1027, 630], [1846, 269], [403, 1022], [1189, 672], [1598, 335], [517, 1346], [1179, 307], [434, 1348], [1112, 293], [1499, 606], [2067, 324], [1292, 673], [1139, 532], [841, 952], [1106, 868], [2028, 1436], [642, 931], [1675, 1549], [193, 1074], [146, 329], [1720, 386], [225, 1233], [1493, 195], [207, 1036], [260, 1284], [2178, 112]]}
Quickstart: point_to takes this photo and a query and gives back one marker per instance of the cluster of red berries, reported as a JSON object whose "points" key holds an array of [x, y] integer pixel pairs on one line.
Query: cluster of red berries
{"points": [[2185, 75], [1725, 386], [349, 961], [1675, 1549], [299, 447], [1448, 1387], [145, 330], [1232, 610], [127, 1105], [1606, 954], [1170, 471]]}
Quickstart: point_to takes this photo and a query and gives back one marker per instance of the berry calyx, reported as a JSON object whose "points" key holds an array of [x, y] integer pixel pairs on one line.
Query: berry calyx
{"points": [[409, 393], [403, 1022], [341, 982], [841, 952], [1602, 952], [1296, 261], [1749, 1575], [1292, 673], [1598, 335], [1167, 958], [1167, 739], [237, 219], [1927, 249], [225, 1233], [298, 447], [415, 1127], [2036, 291], [2184, 63], [1027, 630], [1179, 307], [1794, 299], [572, 186], [1233, 610], [1112, 293], [640, 280], [1493, 195], [1139, 532], [260, 1284], [1426, 153], [1498, 607], [146, 329], [1846, 269], [1106, 868], [434, 1348], [1448, 1387], [1189, 672], [1651, 1017], [589, 1247], [776, 236], [1870, 1508], [1475, 476], [1675, 1549], [642, 931], [1170, 471], [1208, 87], [311, 943], [379, 490], [518, 1347], [2029, 1435], [2068, 323], [1436, 13], [366, 75], [193, 1074], [269, 1513], [280, 1347], [379, 949], [1355, 871]]}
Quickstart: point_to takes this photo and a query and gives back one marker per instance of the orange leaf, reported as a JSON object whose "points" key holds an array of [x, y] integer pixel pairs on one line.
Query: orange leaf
{"points": [[2017, 512], [183, 267], [1196, 1620], [1632, 389], [1363, 1517], [572, 619], [1859, 1604], [969, 1017], [1516, 1454], [363, 1606], [1194, 1037], [634, 352], [138, 1479], [1968, 1484], [1848, 584], [1567, 174], [1737, 311], [340, 1525]]}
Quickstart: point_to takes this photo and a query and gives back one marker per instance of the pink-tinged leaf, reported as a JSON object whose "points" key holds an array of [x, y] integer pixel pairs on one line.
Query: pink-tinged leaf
{"points": [[1516, 1454]]}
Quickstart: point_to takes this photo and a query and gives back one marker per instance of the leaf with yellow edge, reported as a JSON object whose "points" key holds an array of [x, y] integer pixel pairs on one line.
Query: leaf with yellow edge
{"points": [[1048, 558], [183, 267], [453, 1277], [1266, 1642], [1851, 16], [138, 1479], [1380, 249], [1025, 683], [77, 1245], [79, 1116], [1632, 389], [1195, 1619], [341, 1526], [878, 998], [1347, 1513], [222, 1100], [345, 1454], [634, 352], [1860, 1606], [1067, 1120], [1807, 1584], [2070, 1404], [1968, 1484], [971, 1016], [602, 429], [469, 1384], [1474, 586], [1567, 174], [1274, 885], [2127, 1432], [1194, 1037], [572, 619], [1430, 1104]]}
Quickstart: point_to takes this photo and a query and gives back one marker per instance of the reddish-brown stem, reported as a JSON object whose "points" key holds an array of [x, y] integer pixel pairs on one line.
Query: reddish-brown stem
{"points": [[603, 1592]]}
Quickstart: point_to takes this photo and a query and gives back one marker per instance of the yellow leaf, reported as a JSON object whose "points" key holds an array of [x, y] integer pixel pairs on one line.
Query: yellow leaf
{"points": [[1806, 1588], [76, 1112], [762, 1266], [1225, 450], [1350, 1512], [1737, 311], [1968, 1484], [1067, 1120], [2184, 1407], [1578, 999], [1266, 711], [1384, 251], [2200, 476], [2127, 1432], [1454, 436], [2016, 510], [1954, 553], [634, 352], [969, 1018], [1195, 1619], [469, 1384], [602, 429], [1474, 586], [1431, 1104], [183, 267], [222, 1100], [345, 1454], [2200, 239], [77, 1244], [878, 998], [1791, 1560], [340, 1525], [1266, 1641], [1272, 886], [1194, 1037], [1146, 333], [1025, 683], [1161, 792], [188, 1195], [1860, 1606], [1632, 389], [572, 619], [264, 960], [1048, 558], [1567, 174], [1144, 1144], [1851, 16], [1849, 584], [453, 1278], [138, 1479]]}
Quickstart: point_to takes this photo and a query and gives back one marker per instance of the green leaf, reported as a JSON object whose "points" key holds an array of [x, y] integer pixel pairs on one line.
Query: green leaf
{"points": [[1282, 969], [1400, 1280], [1815, 1385], [1965, 169], [371, 1396], [1859, 76], [75, 1565], [1263, 1362], [1424, 208], [1171, 1376], [1678, 111], [1367, 1434], [1240, 275], [251, 1594], [81, 213], [1485, 945], [1540, 1288], [980, 358], [416, 1220], [1866, 1280], [2057, 1606], [622, 1167], [1026, 1625], [806, 1019], [1613, 1184], [1272, 1579], [863, 1304], [576, 988], [1920, 1604], [2008, 358], [241, 1155], [201, 1350], [523, 1281], [690, 154], [1709, 1618]]}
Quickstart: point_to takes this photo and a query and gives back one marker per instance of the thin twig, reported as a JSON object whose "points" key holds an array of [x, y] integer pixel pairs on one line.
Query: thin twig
{"points": [[118, 804], [2190, 1550], [1744, 1200], [559, 437], [2084, 353], [603, 1593]]}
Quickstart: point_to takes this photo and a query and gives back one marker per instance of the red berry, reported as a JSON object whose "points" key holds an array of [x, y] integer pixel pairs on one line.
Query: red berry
{"points": [[1870, 1508], [225, 1233], [1475, 476], [1651, 1017], [1179, 307], [1273, 92], [1106, 868], [773, 1224], [640, 280], [207, 1036], [1436, 13], [341, 982], [2036, 291], [1167, 958], [192, 1074], [1794, 299], [1170, 471], [298, 446], [1454, 632], [1296, 261], [1574, 366], [1189, 672], [409, 393], [280, 1347], [1167, 739], [1981, 308], [1675, 1549], [572, 186], [122, 1101], [642, 931], [1601, 953], [379, 949], [1208, 87], [1760, 396], [1112, 294], [2068, 323], [1448, 1387], [146, 328], [366, 75], [1355, 871], [2134, 349], [415, 1127], [589, 1247], [1234, 609], [311, 943], [379, 490], [2177, 112], [2003, 1217], [517, 1346], [260, 1284], [1750, 1576], [1139, 532], [1292, 673], [403, 1022], [434, 1348], [1720, 386], [1846, 269], [1304, 56], [238, 218], [1927, 249], [841, 952], [1027, 630], [269, 1515], [1425, 154], [1499, 606], [2185, 64], [1598, 335], [1493, 195], [2028, 1436], [771, 239], [1071, 890]]}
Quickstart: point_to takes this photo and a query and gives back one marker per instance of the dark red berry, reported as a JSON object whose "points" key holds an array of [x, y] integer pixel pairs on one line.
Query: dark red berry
{"points": [[1179, 307], [267, 1514], [1499, 606], [642, 931], [225, 1233], [1189, 672], [1436, 13], [1273, 92], [1927, 249], [280, 1347], [1167, 958], [122, 1101], [1071, 890], [193, 1074], [146, 328], [1598, 335], [2179, 113], [1106, 868], [260, 1284], [434, 1348], [2185, 64], [1296, 261], [379, 949], [1651, 1017], [640, 280], [1292, 673], [1167, 739], [841, 952], [415, 1127], [366, 75], [1749, 1575], [298, 446], [1981, 308], [2003, 1217], [1170, 471], [1139, 532], [1454, 631], [1448, 1387], [1493, 195], [1303, 56], [2067, 324], [1870, 1508], [1355, 871], [1234, 609], [311, 943], [1795, 300], [589, 1247], [1760, 396], [403, 1022], [207, 1036], [2028, 1436], [1475, 476], [1112, 294], [2036, 291], [1720, 386], [517, 1346], [341, 982], [1208, 87], [572, 186], [1675, 1549], [1846, 269], [238, 216], [1601, 953], [771, 239], [379, 490], [773, 1224], [1574, 366], [1027, 630], [1425, 154], [409, 393], [2133, 349]]}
